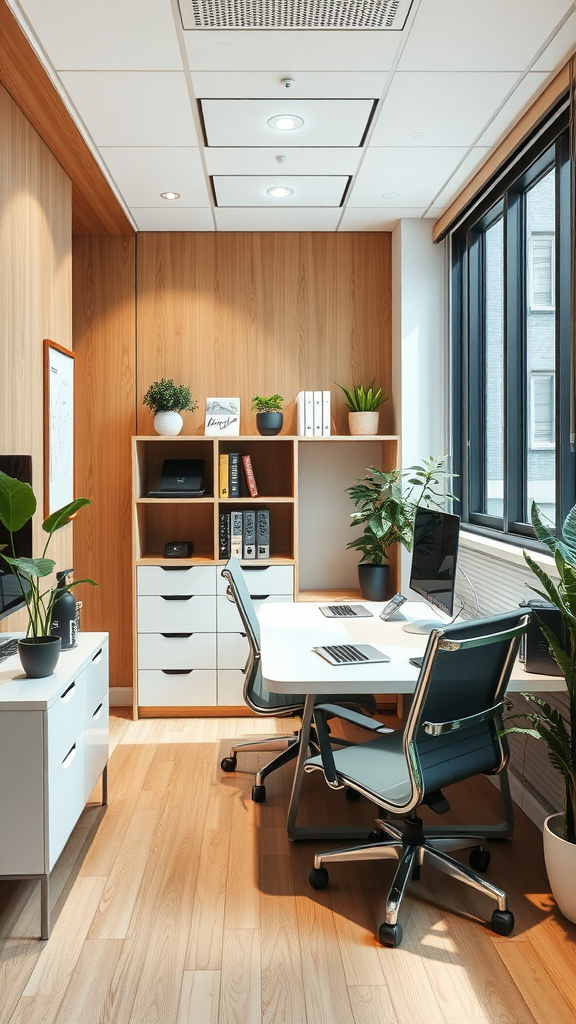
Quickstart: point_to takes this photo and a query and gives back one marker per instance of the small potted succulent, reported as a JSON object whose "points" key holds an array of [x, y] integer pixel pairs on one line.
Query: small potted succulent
{"points": [[269, 417], [167, 400], [363, 405]]}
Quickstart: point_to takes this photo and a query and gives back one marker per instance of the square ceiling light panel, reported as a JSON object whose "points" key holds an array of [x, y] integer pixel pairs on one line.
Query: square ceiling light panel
{"points": [[232, 190], [294, 14], [286, 123]]}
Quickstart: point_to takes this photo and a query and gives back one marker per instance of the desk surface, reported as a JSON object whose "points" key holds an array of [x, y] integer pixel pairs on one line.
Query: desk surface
{"points": [[290, 631]]}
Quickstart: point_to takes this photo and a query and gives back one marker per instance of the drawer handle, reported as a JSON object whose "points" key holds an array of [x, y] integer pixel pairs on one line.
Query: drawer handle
{"points": [[69, 693], [69, 757], [177, 636], [260, 597], [175, 597], [177, 671], [97, 657], [98, 712], [175, 568]]}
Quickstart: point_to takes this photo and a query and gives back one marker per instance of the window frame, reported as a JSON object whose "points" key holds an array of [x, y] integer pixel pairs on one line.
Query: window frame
{"points": [[534, 444]]}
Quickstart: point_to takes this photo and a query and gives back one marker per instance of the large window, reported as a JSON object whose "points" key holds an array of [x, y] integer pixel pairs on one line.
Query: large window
{"points": [[511, 346]]}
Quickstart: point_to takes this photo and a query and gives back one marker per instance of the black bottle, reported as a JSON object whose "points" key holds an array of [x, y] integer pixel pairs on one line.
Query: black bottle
{"points": [[64, 614]]}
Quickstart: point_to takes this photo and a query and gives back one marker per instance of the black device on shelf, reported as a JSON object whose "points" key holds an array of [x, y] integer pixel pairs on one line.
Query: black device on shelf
{"points": [[11, 597], [178, 549], [181, 478]]}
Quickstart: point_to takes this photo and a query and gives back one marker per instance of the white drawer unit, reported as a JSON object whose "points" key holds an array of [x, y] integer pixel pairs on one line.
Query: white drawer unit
{"points": [[265, 580], [177, 614], [233, 650], [53, 750], [231, 687], [187, 650], [183, 688], [154, 580], [228, 617]]}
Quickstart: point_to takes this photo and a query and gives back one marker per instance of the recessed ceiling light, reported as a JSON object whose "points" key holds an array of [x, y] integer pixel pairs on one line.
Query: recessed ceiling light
{"points": [[280, 192], [170, 195], [418, 136], [285, 122], [390, 195]]}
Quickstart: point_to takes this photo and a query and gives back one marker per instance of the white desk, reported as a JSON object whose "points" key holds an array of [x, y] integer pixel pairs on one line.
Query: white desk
{"points": [[289, 665]]}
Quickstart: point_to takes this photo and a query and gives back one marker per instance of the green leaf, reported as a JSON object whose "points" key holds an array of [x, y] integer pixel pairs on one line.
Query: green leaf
{"points": [[17, 503], [32, 567], [63, 515]]}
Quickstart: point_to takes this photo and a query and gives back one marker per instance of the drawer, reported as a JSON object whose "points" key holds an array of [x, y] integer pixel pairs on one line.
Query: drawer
{"points": [[96, 673], [177, 614], [154, 580], [230, 687], [66, 719], [197, 650], [95, 746], [269, 579], [233, 650], [190, 688], [229, 620], [65, 799]]}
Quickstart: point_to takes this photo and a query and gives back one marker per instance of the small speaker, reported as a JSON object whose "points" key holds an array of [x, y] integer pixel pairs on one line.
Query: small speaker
{"points": [[537, 656], [178, 549]]}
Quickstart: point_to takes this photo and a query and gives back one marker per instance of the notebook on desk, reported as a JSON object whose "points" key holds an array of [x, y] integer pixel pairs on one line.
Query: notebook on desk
{"points": [[350, 654]]}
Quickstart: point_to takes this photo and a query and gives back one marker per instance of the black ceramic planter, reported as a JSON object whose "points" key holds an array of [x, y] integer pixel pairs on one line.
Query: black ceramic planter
{"points": [[373, 581], [269, 423], [39, 655]]}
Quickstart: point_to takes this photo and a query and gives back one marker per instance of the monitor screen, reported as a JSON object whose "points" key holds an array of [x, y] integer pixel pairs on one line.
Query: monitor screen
{"points": [[19, 466], [434, 557]]}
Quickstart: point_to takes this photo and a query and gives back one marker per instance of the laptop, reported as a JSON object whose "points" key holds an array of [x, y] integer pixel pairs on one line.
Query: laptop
{"points": [[345, 611], [181, 478], [351, 654]]}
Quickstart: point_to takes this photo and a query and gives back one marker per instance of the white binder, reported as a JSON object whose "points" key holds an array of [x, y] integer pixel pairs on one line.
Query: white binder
{"points": [[305, 413], [326, 414], [318, 414]]}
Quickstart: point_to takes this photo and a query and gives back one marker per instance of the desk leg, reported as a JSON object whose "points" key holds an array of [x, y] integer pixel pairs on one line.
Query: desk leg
{"points": [[44, 906], [105, 785]]}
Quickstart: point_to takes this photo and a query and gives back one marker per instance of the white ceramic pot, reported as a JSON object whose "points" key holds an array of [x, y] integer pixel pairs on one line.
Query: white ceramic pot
{"points": [[168, 423], [363, 422], [560, 858]]}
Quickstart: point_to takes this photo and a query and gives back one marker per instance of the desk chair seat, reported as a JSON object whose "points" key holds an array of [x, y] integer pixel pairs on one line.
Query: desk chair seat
{"points": [[452, 733], [262, 701]]}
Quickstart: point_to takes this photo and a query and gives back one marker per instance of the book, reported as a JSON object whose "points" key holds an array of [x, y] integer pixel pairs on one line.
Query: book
{"points": [[249, 476], [224, 491], [325, 414], [224, 535], [317, 414], [234, 475], [262, 533], [249, 539], [305, 414], [236, 535]]}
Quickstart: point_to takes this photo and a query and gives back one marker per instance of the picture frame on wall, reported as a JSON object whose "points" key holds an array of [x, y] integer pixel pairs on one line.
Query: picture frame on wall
{"points": [[58, 426]]}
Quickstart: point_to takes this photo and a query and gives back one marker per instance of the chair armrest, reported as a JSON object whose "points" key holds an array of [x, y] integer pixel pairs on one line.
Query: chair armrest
{"points": [[353, 717], [326, 754], [441, 728]]}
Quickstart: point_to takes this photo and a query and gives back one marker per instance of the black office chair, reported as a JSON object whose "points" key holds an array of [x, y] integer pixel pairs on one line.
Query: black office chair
{"points": [[260, 700], [452, 733]]}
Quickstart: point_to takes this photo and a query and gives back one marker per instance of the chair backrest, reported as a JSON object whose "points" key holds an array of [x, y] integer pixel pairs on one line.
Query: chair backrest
{"points": [[452, 729]]}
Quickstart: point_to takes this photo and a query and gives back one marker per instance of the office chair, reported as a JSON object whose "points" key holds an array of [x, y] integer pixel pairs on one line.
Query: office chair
{"points": [[452, 733], [260, 700]]}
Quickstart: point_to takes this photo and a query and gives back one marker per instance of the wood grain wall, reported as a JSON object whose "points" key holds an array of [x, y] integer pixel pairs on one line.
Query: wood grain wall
{"points": [[35, 297]]}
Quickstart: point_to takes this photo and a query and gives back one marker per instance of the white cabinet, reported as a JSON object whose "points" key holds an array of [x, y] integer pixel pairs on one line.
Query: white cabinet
{"points": [[53, 750]]}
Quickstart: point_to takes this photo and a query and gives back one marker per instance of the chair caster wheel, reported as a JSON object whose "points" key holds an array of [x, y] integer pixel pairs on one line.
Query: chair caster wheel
{"points": [[502, 922], [351, 794], [374, 836], [479, 859], [318, 878], [258, 794], [390, 935], [228, 764]]}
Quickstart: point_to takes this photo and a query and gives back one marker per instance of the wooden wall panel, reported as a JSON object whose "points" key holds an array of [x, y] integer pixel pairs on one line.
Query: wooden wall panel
{"points": [[104, 342], [259, 313], [35, 297]]}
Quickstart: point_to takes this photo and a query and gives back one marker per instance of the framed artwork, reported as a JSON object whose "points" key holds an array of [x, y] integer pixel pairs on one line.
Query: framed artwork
{"points": [[58, 426], [222, 417]]}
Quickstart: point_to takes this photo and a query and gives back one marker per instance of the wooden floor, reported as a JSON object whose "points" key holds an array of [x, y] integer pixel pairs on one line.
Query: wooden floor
{"points": [[184, 903]]}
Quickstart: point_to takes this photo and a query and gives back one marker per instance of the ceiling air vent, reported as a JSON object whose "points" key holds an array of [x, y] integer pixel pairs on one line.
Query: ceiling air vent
{"points": [[294, 14]]}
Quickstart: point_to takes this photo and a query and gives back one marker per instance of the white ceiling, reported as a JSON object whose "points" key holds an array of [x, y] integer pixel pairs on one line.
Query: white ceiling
{"points": [[173, 109]]}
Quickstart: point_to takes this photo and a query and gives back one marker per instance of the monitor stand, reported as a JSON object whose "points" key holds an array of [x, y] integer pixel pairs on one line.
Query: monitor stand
{"points": [[424, 627]]}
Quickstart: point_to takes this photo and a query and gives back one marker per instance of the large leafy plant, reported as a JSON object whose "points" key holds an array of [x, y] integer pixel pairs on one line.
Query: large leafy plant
{"points": [[386, 504], [17, 506], [166, 396], [546, 722]]}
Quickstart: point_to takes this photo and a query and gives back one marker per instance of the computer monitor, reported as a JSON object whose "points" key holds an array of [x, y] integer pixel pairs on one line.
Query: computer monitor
{"points": [[11, 598], [434, 559]]}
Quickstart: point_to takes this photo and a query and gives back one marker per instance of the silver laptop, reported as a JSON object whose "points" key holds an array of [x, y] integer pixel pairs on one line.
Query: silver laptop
{"points": [[345, 611], [351, 654]]}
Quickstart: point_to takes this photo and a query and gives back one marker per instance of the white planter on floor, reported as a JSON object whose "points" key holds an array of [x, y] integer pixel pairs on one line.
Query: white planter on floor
{"points": [[168, 423], [560, 858]]}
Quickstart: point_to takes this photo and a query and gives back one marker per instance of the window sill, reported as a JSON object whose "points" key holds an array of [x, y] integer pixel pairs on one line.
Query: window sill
{"points": [[503, 550]]}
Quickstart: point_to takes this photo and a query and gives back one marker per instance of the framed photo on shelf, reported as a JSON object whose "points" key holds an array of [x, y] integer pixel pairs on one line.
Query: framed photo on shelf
{"points": [[58, 426], [222, 417]]}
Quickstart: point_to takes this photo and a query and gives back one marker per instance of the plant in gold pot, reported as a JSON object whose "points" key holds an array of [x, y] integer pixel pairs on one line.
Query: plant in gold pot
{"points": [[363, 405]]}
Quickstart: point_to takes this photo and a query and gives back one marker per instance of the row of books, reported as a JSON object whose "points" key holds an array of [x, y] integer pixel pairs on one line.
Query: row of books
{"points": [[235, 470], [313, 413], [244, 534]]}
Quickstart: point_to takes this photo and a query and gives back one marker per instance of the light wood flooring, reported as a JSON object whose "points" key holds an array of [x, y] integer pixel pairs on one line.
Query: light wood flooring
{"points": [[184, 903]]}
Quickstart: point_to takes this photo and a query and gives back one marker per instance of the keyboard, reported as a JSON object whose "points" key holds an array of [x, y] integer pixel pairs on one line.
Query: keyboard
{"points": [[345, 611], [350, 654], [8, 649]]}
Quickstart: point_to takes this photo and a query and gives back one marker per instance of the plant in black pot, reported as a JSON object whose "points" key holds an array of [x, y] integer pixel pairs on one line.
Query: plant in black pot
{"points": [[269, 416], [39, 651], [386, 503]]}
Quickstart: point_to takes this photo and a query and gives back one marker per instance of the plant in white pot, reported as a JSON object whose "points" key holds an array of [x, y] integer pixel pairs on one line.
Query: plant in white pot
{"points": [[167, 400], [363, 405], [547, 724]]}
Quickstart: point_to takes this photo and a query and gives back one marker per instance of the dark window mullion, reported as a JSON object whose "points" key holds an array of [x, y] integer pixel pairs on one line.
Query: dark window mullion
{"points": [[565, 458], [514, 361], [476, 371]]}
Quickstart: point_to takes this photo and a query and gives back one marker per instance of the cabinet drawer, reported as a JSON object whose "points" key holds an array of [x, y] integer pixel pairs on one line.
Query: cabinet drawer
{"points": [[231, 687], [177, 614], [66, 719], [229, 620], [95, 745], [154, 580], [190, 688], [158, 651], [270, 579], [65, 799], [233, 650], [96, 679]]}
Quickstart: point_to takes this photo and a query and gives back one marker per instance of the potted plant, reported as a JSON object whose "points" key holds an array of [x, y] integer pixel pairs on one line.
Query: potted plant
{"points": [[547, 724], [167, 400], [269, 417], [363, 416], [386, 508], [39, 651]]}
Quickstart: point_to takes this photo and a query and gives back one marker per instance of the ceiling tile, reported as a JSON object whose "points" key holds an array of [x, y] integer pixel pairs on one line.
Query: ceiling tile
{"points": [[142, 173], [287, 52], [479, 35], [306, 14], [471, 163], [307, 84], [560, 49], [525, 94], [297, 161], [364, 219], [180, 219], [277, 220], [326, 122], [415, 174], [133, 108], [318, 191], [108, 35]]}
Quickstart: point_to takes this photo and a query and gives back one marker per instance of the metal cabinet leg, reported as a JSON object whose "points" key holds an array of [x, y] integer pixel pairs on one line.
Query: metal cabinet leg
{"points": [[105, 786], [44, 906]]}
